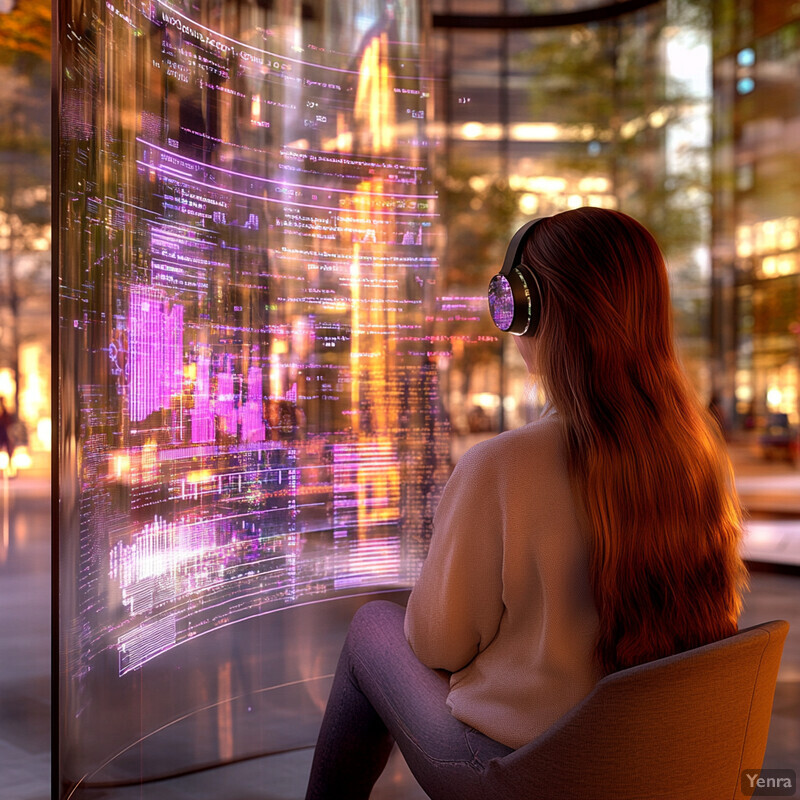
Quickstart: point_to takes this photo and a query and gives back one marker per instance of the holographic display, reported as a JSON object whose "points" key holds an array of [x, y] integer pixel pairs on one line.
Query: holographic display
{"points": [[250, 412]]}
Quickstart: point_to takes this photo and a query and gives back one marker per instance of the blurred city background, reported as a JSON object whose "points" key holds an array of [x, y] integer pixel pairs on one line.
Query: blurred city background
{"points": [[682, 113]]}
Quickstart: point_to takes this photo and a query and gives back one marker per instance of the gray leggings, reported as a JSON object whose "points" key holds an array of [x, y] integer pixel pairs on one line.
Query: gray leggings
{"points": [[381, 694]]}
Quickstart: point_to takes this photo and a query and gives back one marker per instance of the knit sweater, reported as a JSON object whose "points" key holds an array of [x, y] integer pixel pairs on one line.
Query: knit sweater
{"points": [[503, 601]]}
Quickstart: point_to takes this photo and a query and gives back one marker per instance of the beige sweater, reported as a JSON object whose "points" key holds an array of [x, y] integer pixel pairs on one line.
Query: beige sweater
{"points": [[503, 601]]}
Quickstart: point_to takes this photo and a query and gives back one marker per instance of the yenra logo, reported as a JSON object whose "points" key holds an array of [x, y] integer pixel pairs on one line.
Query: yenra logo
{"points": [[769, 782]]}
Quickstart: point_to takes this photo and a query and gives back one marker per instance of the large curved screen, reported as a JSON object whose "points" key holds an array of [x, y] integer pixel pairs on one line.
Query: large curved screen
{"points": [[250, 415]]}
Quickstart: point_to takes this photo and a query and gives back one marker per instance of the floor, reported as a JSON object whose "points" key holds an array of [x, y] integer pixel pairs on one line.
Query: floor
{"points": [[25, 642], [25, 713]]}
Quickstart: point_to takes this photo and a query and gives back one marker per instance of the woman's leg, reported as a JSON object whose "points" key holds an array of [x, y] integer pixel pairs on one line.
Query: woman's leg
{"points": [[382, 693]]}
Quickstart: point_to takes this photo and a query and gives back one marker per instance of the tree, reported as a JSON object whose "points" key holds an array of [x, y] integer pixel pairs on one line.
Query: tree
{"points": [[613, 88], [479, 209], [26, 30], [607, 84]]}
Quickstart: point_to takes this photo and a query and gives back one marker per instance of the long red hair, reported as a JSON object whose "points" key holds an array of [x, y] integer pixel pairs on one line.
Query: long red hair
{"points": [[646, 460]]}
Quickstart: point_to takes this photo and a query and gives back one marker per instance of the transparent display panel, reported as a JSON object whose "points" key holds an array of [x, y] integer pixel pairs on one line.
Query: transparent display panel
{"points": [[250, 416]]}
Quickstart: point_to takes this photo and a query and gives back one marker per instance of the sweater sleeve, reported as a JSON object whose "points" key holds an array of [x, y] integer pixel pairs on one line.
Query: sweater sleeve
{"points": [[455, 608]]}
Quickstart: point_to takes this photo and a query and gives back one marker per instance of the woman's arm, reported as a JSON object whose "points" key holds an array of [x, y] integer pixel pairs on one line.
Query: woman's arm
{"points": [[455, 608]]}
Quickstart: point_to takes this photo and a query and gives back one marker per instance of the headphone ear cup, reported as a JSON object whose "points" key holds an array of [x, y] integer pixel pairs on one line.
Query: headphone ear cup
{"points": [[527, 296], [515, 295], [533, 299]]}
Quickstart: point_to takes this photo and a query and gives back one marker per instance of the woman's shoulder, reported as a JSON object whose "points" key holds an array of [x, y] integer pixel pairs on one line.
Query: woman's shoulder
{"points": [[539, 441]]}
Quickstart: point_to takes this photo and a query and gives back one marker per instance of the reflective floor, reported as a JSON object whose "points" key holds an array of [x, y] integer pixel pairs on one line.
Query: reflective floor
{"points": [[25, 642], [25, 690]]}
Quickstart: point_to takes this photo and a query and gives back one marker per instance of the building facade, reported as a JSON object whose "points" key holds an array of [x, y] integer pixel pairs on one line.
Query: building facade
{"points": [[756, 210]]}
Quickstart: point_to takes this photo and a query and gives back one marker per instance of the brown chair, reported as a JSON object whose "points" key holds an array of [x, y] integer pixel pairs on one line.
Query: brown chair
{"points": [[683, 727]]}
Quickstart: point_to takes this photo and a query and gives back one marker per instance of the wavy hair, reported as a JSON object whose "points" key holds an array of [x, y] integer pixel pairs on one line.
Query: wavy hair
{"points": [[645, 458]]}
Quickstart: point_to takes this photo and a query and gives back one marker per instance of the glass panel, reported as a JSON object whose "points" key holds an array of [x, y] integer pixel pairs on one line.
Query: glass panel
{"points": [[614, 114], [475, 79], [24, 243], [25, 391], [250, 408], [757, 115]]}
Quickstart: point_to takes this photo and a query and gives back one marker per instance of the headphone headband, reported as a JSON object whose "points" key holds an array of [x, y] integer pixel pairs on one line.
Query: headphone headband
{"points": [[516, 246]]}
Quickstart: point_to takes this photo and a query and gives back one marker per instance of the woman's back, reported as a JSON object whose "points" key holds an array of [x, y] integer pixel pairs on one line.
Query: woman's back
{"points": [[644, 456], [504, 599]]}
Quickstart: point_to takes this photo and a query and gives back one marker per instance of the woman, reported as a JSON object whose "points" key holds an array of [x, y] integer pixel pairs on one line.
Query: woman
{"points": [[601, 536]]}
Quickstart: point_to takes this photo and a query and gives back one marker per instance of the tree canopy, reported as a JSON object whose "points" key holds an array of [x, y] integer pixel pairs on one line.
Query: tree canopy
{"points": [[26, 30]]}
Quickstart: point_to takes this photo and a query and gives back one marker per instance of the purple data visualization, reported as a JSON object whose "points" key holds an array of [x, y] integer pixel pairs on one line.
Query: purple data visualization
{"points": [[247, 237]]}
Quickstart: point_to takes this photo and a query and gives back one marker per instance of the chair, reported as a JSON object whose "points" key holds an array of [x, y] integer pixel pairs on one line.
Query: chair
{"points": [[683, 727]]}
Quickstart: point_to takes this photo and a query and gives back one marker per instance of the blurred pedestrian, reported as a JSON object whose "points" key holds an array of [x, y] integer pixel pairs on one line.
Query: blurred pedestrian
{"points": [[6, 422]]}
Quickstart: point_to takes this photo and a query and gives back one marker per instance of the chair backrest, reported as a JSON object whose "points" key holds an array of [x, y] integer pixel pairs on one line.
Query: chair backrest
{"points": [[682, 726]]}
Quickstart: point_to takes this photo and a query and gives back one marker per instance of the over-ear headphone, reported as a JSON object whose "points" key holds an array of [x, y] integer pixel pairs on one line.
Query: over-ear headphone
{"points": [[515, 296]]}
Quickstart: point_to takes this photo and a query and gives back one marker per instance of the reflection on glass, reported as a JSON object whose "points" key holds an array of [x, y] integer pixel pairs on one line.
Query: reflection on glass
{"points": [[250, 412]]}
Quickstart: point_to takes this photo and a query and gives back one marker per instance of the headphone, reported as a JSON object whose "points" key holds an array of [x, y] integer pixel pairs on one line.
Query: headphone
{"points": [[514, 304]]}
